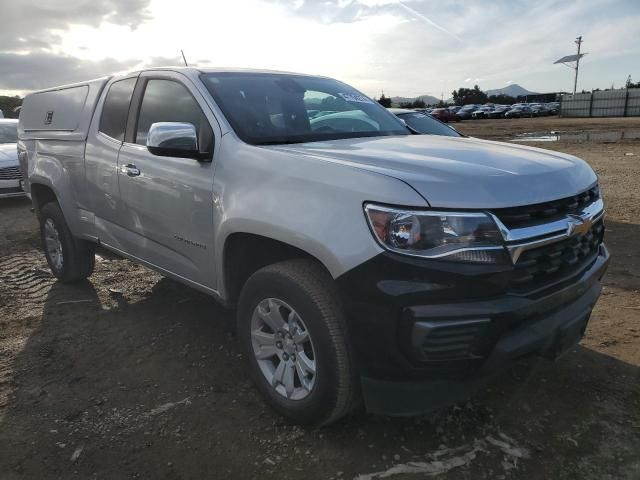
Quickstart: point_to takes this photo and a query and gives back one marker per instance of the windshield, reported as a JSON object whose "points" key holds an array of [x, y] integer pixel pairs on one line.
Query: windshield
{"points": [[8, 132], [427, 125], [267, 108]]}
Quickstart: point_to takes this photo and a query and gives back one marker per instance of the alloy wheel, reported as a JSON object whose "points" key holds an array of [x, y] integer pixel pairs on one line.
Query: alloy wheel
{"points": [[283, 348], [53, 244]]}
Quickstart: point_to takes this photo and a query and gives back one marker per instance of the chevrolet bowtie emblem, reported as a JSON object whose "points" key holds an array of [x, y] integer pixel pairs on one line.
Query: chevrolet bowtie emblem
{"points": [[577, 225]]}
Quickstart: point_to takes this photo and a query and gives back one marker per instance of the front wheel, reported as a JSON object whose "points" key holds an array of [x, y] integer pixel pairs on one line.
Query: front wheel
{"points": [[292, 331], [69, 258]]}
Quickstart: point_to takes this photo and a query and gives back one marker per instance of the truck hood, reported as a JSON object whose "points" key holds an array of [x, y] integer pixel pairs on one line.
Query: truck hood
{"points": [[8, 155], [451, 172]]}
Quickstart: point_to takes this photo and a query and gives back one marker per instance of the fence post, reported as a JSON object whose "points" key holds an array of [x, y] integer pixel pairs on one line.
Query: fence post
{"points": [[626, 102], [590, 103]]}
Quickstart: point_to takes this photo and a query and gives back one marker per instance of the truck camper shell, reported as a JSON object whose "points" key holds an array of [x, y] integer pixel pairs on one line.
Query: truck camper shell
{"points": [[62, 113]]}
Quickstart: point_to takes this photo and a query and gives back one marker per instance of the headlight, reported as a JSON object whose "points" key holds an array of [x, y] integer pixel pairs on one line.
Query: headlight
{"points": [[457, 236]]}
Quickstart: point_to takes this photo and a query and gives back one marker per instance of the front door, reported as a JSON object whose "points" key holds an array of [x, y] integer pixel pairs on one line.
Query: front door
{"points": [[167, 202]]}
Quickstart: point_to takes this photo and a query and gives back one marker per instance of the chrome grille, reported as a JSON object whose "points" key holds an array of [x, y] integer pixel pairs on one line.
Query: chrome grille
{"points": [[520, 217], [10, 173], [548, 264]]}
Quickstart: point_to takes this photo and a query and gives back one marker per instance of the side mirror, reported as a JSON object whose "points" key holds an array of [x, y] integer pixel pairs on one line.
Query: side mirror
{"points": [[174, 139]]}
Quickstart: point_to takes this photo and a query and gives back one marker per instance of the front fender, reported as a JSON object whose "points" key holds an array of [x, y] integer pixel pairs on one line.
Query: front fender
{"points": [[309, 203]]}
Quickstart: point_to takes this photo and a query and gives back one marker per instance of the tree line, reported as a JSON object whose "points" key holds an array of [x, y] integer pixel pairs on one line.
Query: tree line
{"points": [[466, 96], [8, 105], [461, 96]]}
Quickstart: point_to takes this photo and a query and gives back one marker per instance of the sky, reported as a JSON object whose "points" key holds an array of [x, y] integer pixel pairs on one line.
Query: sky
{"points": [[404, 48]]}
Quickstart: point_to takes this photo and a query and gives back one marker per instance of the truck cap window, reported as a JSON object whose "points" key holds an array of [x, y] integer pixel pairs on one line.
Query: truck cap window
{"points": [[168, 101], [267, 109], [113, 121]]}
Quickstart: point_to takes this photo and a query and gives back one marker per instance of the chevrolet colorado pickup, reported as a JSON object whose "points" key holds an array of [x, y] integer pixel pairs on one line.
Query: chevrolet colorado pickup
{"points": [[367, 264]]}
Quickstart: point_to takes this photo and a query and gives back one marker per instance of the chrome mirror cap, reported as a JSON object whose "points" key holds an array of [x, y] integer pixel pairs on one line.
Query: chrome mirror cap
{"points": [[173, 139]]}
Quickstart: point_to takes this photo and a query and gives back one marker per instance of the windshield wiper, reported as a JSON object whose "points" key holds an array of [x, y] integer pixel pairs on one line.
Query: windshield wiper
{"points": [[412, 130], [277, 142]]}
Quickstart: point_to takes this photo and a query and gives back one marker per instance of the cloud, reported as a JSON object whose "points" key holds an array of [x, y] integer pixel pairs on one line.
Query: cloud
{"points": [[428, 20], [42, 70], [406, 48], [37, 24]]}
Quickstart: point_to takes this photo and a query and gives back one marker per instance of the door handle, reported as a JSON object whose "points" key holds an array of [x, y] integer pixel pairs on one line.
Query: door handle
{"points": [[130, 169]]}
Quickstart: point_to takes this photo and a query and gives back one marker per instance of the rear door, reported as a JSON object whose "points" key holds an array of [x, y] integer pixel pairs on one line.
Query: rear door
{"points": [[167, 202]]}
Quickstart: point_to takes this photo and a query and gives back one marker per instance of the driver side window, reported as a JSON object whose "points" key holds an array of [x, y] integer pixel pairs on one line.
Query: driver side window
{"points": [[168, 101]]}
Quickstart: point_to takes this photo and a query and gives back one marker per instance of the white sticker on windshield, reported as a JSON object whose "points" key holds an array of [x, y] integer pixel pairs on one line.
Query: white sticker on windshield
{"points": [[355, 97]]}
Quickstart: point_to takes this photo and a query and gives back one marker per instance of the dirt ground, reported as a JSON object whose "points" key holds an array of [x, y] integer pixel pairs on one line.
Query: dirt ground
{"points": [[132, 375]]}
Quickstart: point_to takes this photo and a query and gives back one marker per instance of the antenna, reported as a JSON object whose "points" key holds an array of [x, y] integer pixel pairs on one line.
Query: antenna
{"points": [[184, 58]]}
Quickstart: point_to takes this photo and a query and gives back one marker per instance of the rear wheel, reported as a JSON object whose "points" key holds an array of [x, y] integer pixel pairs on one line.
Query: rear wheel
{"points": [[291, 329], [69, 258]]}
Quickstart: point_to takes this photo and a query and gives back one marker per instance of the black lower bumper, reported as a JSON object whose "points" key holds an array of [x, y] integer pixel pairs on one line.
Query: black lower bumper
{"points": [[418, 356]]}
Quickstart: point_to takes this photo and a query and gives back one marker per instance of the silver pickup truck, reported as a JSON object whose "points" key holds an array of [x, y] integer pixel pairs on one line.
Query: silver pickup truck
{"points": [[367, 264]]}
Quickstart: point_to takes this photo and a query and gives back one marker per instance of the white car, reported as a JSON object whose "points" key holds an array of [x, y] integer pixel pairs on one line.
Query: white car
{"points": [[10, 176]]}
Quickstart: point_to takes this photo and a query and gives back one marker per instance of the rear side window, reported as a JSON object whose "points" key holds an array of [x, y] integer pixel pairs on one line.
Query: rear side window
{"points": [[113, 121], [167, 101]]}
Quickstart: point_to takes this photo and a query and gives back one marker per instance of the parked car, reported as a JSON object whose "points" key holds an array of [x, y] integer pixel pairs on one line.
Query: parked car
{"points": [[424, 124], [445, 115], [482, 112], [553, 108], [539, 110], [465, 112], [498, 112], [520, 112], [10, 175], [363, 261]]}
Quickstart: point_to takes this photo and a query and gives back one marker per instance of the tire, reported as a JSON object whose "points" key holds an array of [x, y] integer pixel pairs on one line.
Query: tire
{"points": [[70, 259], [304, 287]]}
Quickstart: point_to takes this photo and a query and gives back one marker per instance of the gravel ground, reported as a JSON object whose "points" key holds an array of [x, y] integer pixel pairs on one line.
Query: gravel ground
{"points": [[132, 375]]}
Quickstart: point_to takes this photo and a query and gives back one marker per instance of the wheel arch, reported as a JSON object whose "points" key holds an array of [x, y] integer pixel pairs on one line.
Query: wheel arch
{"points": [[244, 253], [41, 194]]}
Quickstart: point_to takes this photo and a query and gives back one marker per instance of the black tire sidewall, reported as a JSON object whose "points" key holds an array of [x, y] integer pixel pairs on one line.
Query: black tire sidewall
{"points": [[320, 403]]}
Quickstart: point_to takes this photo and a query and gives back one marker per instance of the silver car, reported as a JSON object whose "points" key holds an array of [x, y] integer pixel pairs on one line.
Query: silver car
{"points": [[367, 265], [10, 176]]}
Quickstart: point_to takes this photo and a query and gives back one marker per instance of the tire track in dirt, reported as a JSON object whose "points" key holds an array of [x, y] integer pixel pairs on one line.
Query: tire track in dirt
{"points": [[25, 280]]}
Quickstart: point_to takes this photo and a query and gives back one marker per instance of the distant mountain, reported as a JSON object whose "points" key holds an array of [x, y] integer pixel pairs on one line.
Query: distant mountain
{"points": [[427, 99], [513, 90]]}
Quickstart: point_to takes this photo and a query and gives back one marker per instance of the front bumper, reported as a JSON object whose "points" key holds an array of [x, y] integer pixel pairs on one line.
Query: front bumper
{"points": [[426, 335], [11, 188]]}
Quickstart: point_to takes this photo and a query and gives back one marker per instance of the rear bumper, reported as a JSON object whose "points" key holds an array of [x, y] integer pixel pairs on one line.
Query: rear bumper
{"points": [[419, 356]]}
